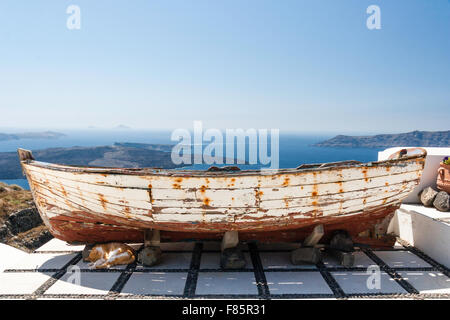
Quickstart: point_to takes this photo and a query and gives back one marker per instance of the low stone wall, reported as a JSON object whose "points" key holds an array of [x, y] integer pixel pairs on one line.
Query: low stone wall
{"points": [[24, 229], [23, 220]]}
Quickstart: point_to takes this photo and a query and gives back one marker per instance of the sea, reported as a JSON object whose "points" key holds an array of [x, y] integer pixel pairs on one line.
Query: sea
{"points": [[294, 148]]}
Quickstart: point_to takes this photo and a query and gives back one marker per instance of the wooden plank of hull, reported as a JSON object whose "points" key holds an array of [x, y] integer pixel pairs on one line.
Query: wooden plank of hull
{"points": [[321, 203], [328, 207], [142, 206], [217, 197], [125, 202], [245, 197], [218, 223]]}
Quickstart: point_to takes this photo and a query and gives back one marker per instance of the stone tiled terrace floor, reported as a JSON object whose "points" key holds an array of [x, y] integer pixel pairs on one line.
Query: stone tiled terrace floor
{"points": [[191, 270]]}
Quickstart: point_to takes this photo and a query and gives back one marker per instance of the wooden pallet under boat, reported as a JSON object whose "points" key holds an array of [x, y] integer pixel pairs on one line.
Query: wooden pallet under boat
{"points": [[92, 204]]}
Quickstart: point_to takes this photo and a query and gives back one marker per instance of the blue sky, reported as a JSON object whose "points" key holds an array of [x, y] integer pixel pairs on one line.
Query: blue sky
{"points": [[309, 66]]}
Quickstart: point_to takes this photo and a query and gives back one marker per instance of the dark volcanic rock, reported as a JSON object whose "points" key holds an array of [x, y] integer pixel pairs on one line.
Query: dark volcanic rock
{"points": [[442, 201], [4, 233], [150, 256], [341, 241], [427, 196], [24, 230], [232, 258], [32, 241], [20, 223], [23, 220]]}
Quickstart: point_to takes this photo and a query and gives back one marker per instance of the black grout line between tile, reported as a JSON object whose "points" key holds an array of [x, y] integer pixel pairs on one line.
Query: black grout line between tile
{"points": [[55, 252], [123, 278], [260, 277], [331, 281], [192, 277]]}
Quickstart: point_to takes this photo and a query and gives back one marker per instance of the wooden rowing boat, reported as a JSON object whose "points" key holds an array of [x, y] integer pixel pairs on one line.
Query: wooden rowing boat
{"points": [[92, 204]]}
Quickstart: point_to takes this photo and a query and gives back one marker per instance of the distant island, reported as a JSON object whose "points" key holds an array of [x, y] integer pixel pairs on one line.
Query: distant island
{"points": [[410, 139], [31, 135], [120, 155], [122, 127]]}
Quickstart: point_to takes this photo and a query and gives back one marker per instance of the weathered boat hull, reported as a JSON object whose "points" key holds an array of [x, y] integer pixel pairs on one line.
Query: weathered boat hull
{"points": [[72, 232], [89, 205]]}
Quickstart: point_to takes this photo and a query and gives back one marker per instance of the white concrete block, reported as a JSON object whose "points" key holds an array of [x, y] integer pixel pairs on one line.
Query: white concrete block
{"points": [[421, 227], [314, 237], [230, 240]]}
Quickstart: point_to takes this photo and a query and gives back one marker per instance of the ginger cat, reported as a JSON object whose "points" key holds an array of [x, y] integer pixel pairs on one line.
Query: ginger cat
{"points": [[110, 254]]}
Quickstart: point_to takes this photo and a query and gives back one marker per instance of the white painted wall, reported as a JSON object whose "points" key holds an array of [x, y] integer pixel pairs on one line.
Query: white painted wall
{"points": [[420, 227], [429, 175]]}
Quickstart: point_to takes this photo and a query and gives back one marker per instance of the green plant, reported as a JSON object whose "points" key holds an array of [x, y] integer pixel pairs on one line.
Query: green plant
{"points": [[446, 160]]}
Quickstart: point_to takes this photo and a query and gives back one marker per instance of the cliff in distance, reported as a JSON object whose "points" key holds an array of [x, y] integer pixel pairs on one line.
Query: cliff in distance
{"points": [[410, 139]]}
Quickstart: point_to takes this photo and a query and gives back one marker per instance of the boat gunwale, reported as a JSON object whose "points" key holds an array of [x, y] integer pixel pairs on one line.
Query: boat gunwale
{"points": [[321, 167]]}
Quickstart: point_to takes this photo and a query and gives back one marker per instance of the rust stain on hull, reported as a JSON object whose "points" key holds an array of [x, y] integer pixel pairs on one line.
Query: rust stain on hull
{"points": [[86, 231], [87, 205]]}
